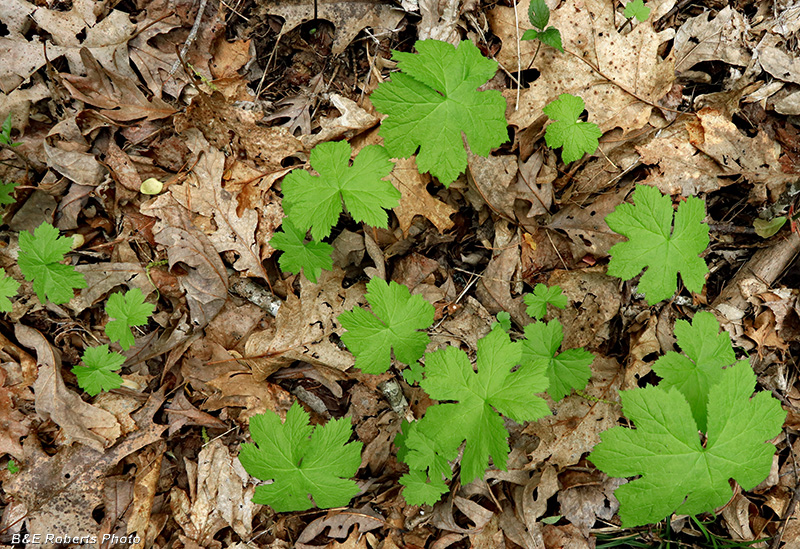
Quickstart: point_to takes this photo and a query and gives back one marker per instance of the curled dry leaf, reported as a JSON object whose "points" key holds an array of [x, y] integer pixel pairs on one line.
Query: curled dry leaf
{"points": [[415, 198], [338, 525], [79, 420]]}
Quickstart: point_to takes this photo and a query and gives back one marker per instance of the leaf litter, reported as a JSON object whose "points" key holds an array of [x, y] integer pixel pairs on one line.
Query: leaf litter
{"points": [[696, 101]]}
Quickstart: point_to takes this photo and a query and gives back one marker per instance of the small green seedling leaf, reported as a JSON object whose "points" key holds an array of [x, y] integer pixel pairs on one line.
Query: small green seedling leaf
{"points": [[637, 9], [7, 193], [315, 202], [5, 133], [127, 311], [541, 297], [420, 490], [504, 320], [8, 288], [767, 228], [657, 244], [301, 460], [433, 100], [480, 398], [395, 326], [678, 473], [707, 352], [539, 14], [12, 467], [99, 370], [575, 136], [567, 370], [310, 257], [40, 259]]}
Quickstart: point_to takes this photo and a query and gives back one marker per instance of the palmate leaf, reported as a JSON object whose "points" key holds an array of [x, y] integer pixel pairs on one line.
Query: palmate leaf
{"points": [[99, 370], [395, 326], [479, 398], [433, 99], [576, 137], [541, 297], [127, 311], [657, 245], [301, 460], [310, 257], [315, 202], [40, 259], [567, 370], [8, 288], [679, 474]]}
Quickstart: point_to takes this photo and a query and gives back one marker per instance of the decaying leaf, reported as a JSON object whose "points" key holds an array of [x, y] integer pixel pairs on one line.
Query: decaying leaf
{"points": [[348, 16]]}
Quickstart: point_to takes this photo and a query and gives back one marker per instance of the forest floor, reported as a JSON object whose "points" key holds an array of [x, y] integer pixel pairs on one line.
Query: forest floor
{"points": [[697, 99]]}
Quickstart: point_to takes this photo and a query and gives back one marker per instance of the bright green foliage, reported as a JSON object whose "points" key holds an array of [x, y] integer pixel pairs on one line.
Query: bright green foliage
{"points": [[654, 243], [311, 257], [127, 311], [504, 320], [99, 373], [707, 352], [301, 460], [427, 456], [575, 136], [433, 99], [315, 202], [39, 260], [7, 193], [420, 490], [637, 9], [5, 133], [479, 397], [678, 473], [8, 288], [12, 467], [395, 326], [541, 297], [539, 16], [566, 371]]}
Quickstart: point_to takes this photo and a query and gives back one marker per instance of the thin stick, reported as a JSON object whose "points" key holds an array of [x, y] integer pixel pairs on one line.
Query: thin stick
{"points": [[191, 38], [519, 56]]}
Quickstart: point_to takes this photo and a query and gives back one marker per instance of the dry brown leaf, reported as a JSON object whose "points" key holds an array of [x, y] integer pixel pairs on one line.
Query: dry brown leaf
{"points": [[144, 492], [59, 493], [222, 496], [118, 96], [415, 198], [68, 154], [15, 424], [338, 525], [181, 412], [79, 420], [494, 288], [585, 224], [721, 38], [494, 178], [353, 120], [348, 16], [304, 326], [101, 278], [203, 193], [584, 503], [620, 77], [578, 421], [681, 168], [756, 158], [241, 390], [565, 537]]}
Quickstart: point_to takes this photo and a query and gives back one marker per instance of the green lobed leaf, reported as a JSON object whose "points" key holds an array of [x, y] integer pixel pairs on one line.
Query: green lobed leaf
{"points": [[8, 288], [567, 370], [315, 202], [541, 297], [679, 474], [99, 371], [574, 136], [7, 192], [419, 490], [394, 326], [637, 9], [127, 311], [433, 100], [310, 257], [658, 246], [551, 37], [707, 351], [301, 460], [39, 260], [480, 398]]}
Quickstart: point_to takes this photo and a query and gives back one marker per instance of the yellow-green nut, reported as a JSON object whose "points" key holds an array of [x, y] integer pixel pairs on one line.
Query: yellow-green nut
{"points": [[151, 186]]}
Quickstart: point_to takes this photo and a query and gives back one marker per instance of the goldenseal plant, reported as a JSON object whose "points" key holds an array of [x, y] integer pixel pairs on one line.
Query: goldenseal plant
{"points": [[698, 428]]}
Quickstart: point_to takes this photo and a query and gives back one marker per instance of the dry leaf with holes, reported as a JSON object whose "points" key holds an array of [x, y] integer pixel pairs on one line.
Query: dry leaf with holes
{"points": [[618, 76]]}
